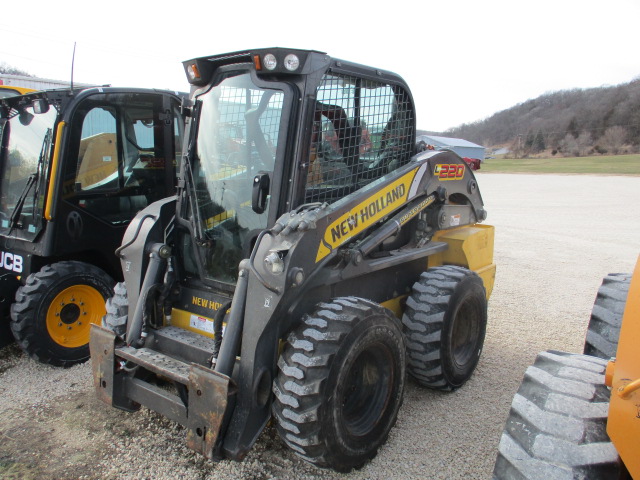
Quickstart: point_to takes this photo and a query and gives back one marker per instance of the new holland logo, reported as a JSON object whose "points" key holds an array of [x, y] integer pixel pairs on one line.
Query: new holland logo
{"points": [[449, 171], [365, 214]]}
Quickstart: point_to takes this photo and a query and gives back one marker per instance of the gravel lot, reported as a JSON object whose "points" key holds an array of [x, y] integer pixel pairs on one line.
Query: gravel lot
{"points": [[556, 237]]}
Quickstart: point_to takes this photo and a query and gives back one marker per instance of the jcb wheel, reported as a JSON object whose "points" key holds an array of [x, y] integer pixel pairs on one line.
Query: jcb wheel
{"points": [[556, 427], [606, 316], [340, 383], [445, 322], [51, 316]]}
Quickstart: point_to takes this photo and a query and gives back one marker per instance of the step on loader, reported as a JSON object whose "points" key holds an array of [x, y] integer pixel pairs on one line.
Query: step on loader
{"points": [[76, 165], [310, 259]]}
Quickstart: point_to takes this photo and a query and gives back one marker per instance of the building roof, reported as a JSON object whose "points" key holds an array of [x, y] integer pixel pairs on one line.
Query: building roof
{"points": [[37, 83], [447, 141]]}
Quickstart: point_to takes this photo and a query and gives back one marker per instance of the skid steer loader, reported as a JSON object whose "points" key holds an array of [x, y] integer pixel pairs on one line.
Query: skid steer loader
{"points": [[309, 259], [578, 415], [75, 168]]}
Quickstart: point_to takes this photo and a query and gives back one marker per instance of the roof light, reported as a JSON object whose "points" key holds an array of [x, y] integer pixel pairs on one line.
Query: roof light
{"points": [[291, 62], [256, 62], [193, 72], [270, 62]]}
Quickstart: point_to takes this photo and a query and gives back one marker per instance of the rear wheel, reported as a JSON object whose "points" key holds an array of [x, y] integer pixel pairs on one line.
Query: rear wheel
{"points": [[53, 311], [340, 383], [606, 317], [445, 321], [556, 428]]}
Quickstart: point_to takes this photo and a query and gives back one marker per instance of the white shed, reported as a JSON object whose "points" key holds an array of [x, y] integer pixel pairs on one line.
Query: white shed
{"points": [[462, 147]]}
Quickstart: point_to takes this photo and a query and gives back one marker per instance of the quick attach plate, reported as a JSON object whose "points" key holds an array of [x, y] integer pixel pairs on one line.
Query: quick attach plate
{"points": [[208, 399]]}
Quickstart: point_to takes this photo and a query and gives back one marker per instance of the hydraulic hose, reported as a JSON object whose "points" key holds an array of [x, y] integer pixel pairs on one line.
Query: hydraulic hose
{"points": [[235, 324], [217, 331], [135, 235], [151, 279]]}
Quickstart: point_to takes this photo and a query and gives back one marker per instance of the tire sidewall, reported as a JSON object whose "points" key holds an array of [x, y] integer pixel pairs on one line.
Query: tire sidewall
{"points": [[468, 293], [372, 331]]}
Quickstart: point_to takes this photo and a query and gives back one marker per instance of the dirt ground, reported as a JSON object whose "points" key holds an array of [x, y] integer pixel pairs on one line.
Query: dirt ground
{"points": [[556, 237]]}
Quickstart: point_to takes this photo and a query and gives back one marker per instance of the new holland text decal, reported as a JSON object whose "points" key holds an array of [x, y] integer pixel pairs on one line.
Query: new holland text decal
{"points": [[449, 171], [366, 213]]}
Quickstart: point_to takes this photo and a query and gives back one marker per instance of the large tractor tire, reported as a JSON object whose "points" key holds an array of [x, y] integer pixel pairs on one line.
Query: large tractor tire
{"points": [[340, 383], [444, 322], [51, 316], [606, 316], [556, 428]]}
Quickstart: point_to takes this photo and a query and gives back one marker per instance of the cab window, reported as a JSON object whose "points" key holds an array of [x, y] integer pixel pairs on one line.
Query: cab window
{"points": [[362, 131], [120, 157]]}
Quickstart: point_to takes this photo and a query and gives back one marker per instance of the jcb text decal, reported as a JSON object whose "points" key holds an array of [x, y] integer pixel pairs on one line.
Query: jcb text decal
{"points": [[11, 262], [449, 171], [365, 214]]}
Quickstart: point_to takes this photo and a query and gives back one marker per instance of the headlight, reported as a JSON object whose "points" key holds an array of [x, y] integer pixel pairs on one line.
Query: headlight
{"points": [[193, 72], [274, 263], [291, 62], [269, 61]]}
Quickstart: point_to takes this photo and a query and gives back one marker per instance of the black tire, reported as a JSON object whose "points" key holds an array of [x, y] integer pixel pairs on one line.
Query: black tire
{"points": [[445, 320], [606, 317], [340, 383], [556, 428], [117, 311], [51, 316]]}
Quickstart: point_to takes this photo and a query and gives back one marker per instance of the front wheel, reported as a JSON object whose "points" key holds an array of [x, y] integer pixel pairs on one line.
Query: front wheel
{"points": [[53, 311], [340, 383]]}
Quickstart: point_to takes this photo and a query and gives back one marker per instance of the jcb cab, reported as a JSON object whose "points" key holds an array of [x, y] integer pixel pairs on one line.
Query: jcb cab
{"points": [[75, 167]]}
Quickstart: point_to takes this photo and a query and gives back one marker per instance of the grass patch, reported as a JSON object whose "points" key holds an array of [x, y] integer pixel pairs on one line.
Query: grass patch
{"points": [[612, 165]]}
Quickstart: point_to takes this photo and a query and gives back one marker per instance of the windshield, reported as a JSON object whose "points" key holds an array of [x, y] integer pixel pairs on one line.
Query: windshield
{"points": [[26, 142], [6, 92], [237, 137]]}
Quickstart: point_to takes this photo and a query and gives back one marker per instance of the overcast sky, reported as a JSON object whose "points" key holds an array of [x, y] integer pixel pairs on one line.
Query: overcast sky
{"points": [[464, 60]]}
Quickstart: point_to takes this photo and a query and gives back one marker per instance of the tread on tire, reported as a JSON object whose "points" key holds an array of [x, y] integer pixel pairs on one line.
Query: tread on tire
{"points": [[556, 428], [444, 322], [52, 313], [606, 317], [340, 383]]}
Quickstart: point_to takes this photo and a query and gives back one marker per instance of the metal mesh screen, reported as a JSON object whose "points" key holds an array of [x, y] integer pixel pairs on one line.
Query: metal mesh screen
{"points": [[362, 131]]}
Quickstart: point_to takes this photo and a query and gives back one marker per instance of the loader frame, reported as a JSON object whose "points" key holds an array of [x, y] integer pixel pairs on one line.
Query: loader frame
{"points": [[371, 238]]}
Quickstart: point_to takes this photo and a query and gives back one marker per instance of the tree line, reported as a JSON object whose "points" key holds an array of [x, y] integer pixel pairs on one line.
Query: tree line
{"points": [[9, 70], [604, 120]]}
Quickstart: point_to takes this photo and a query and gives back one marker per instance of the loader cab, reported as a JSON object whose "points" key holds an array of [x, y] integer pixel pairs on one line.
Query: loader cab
{"points": [[76, 166], [273, 129]]}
